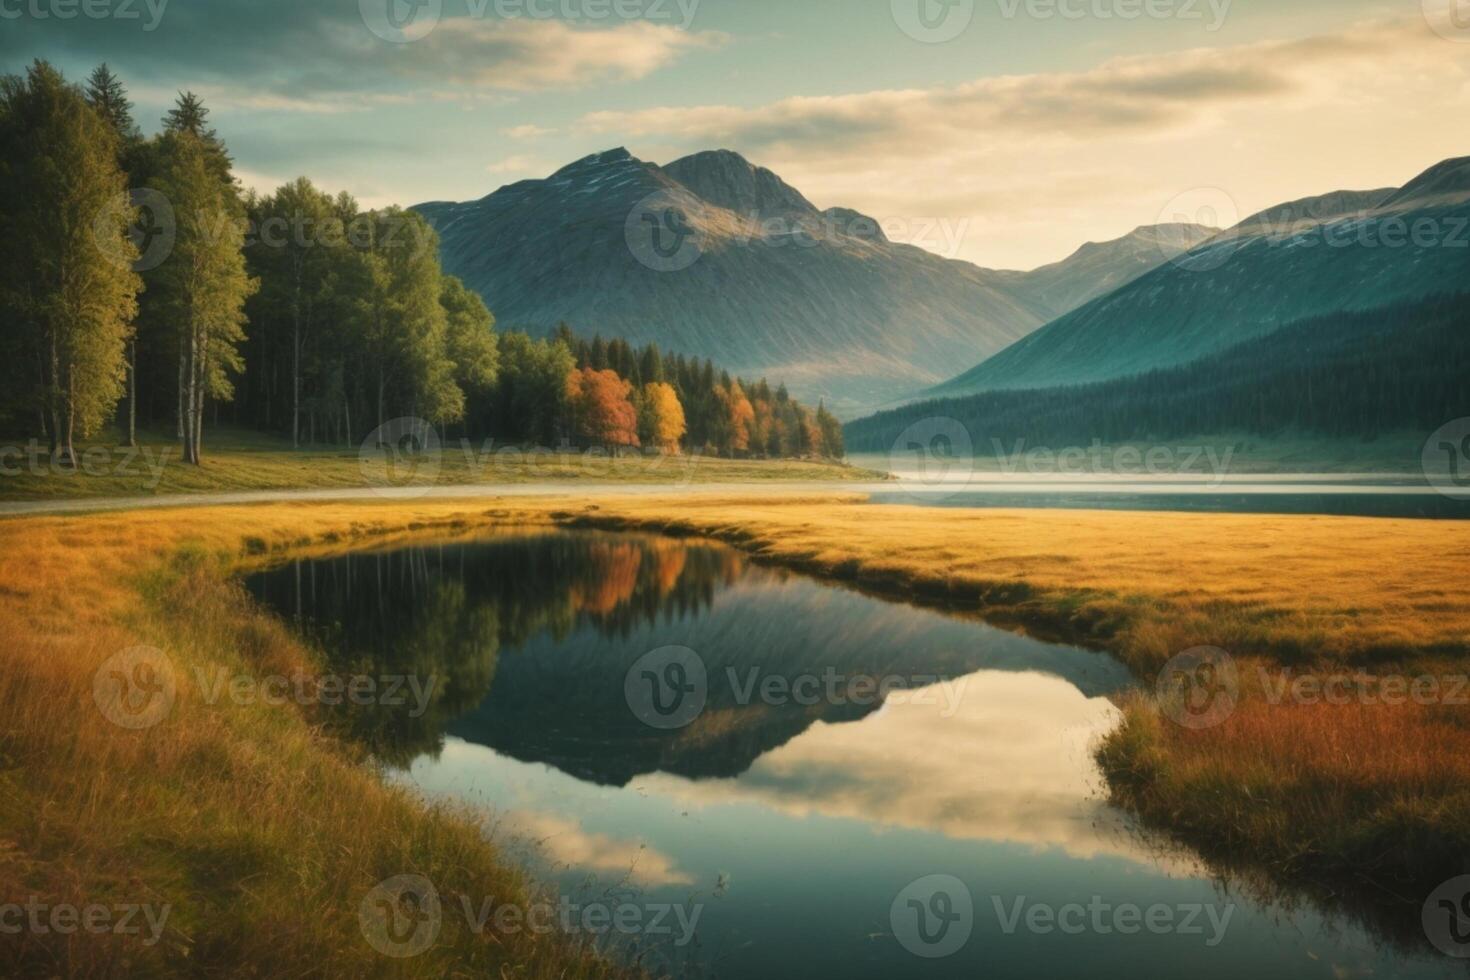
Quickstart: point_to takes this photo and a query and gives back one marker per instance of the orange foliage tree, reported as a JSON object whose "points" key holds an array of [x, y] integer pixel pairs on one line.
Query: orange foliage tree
{"points": [[604, 414]]}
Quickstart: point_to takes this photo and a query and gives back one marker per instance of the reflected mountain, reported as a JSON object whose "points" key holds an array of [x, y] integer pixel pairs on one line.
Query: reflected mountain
{"points": [[531, 640]]}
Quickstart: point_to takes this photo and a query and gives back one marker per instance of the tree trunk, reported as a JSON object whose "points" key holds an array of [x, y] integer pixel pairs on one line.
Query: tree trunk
{"points": [[133, 391], [184, 354], [296, 384], [347, 416]]}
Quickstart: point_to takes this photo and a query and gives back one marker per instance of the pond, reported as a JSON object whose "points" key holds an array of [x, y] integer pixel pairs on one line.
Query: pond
{"points": [[754, 774]]}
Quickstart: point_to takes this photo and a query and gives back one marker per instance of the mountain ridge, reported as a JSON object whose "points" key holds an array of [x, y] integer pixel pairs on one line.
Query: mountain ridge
{"points": [[1342, 251], [714, 256]]}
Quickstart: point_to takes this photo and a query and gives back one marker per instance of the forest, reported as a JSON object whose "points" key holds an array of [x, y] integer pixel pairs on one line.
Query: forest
{"points": [[1357, 374], [142, 286]]}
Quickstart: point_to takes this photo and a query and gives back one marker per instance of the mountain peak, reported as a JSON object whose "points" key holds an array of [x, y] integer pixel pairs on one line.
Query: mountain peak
{"points": [[598, 161], [728, 180], [1447, 180]]}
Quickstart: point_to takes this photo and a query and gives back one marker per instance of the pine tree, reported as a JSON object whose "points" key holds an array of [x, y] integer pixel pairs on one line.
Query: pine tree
{"points": [[107, 96]]}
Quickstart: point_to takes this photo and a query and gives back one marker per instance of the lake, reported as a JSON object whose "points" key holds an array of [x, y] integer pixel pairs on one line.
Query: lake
{"points": [[754, 774], [965, 482]]}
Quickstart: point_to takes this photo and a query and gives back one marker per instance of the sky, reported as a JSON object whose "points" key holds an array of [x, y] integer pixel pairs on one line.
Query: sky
{"points": [[1003, 132]]}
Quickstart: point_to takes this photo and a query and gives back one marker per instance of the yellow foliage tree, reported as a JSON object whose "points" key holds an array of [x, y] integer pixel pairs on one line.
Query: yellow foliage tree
{"points": [[666, 424]]}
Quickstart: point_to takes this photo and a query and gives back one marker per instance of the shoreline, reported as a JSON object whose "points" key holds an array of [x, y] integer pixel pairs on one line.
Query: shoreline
{"points": [[1096, 579]]}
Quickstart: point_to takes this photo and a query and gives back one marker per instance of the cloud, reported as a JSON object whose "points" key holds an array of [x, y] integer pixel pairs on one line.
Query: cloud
{"points": [[321, 56], [526, 55], [562, 841], [527, 132], [1132, 95], [1039, 163]]}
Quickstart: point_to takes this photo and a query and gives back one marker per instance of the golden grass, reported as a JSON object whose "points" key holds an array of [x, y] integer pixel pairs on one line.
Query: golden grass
{"points": [[263, 834]]}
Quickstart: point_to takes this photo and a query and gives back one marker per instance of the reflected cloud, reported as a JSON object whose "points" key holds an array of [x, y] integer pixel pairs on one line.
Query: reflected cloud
{"points": [[1012, 764], [562, 841]]}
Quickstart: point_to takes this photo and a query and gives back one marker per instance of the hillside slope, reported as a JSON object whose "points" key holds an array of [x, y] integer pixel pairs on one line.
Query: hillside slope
{"points": [[1340, 252], [714, 257]]}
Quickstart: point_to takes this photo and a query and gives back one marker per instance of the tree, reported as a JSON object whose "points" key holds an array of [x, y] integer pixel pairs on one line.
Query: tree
{"points": [[831, 432], [471, 335], [405, 325], [293, 261], [106, 95], [67, 285], [604, 415], [661, 421], [203, 284]]}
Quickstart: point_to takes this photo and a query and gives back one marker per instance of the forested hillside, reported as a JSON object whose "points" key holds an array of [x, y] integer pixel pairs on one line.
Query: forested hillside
{"points": [[1345, 375]]}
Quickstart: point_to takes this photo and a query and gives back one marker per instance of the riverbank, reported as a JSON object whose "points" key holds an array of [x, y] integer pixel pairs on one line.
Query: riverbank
{"points": [[265, 836]]}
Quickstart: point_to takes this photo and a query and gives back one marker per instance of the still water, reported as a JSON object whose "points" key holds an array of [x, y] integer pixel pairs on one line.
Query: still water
{"points": [[660, 726]]}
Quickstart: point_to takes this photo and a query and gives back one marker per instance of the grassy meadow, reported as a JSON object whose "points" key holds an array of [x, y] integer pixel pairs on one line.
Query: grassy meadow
{"points": [[241, 460], [263, 834]]}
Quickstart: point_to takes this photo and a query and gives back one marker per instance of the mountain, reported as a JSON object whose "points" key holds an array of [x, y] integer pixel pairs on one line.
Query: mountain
{"points": [[712, 256], [1098, 268], [1346, 251]]}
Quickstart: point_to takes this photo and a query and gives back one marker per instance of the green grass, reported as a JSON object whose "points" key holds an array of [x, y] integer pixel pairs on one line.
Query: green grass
{"points": [[242, 460]]}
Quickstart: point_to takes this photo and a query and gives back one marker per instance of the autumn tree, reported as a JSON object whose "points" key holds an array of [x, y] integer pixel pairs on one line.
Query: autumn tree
{"points": [[661, 417], [67, 288], [601, 407]]}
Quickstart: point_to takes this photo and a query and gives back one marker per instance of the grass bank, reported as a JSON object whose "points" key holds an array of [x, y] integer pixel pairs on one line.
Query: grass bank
{"points": [[237, 460], [264, 835]]}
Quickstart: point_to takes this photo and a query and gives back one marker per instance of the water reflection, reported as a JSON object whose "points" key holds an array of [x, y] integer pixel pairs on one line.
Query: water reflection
{"points": [[530, 640], [792, 823]]}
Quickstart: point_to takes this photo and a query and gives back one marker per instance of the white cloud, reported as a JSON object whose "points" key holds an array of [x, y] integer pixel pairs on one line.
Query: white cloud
{"points": [[1039, 163], [521, 55]]}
